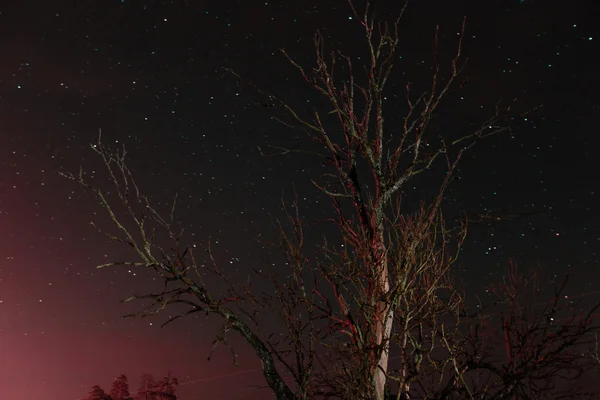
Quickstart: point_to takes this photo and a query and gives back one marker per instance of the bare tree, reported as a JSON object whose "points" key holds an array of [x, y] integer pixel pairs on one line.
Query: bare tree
{"points": [[376, 307], [543, 336], [183, 276], [396, 264]]}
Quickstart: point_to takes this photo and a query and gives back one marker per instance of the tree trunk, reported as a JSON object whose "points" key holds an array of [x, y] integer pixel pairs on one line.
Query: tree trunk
{"points": [[384, 329], [385, 318]]}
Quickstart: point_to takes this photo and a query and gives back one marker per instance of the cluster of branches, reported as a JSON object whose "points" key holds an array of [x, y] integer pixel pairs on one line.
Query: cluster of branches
{"points": [[379, 310]]}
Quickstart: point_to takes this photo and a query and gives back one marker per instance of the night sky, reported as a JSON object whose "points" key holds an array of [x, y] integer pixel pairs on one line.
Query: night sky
{"points": [[151, 75]]}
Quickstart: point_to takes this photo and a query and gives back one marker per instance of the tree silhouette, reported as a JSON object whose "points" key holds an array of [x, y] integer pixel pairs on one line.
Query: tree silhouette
{"points": [[97, 393], [146, 388], [165, 388], [120, 388]]}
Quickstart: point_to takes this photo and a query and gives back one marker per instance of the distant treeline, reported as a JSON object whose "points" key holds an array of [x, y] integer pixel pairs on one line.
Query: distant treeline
{"points": [[149, 389]]}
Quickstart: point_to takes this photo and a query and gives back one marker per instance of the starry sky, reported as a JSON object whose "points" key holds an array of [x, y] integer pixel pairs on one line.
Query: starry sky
{"points": [[151, 75]]}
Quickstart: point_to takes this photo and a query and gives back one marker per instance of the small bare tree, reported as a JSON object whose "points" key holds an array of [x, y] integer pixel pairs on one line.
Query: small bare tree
{"points": [[375, 308]]}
